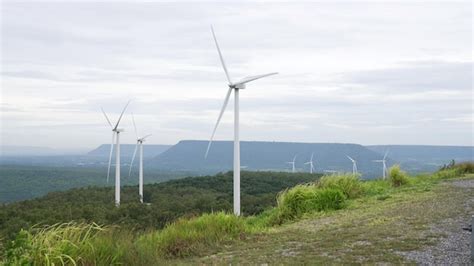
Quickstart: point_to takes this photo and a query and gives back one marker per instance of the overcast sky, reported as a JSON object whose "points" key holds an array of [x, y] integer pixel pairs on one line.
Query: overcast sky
{"points": [[396, 73]]}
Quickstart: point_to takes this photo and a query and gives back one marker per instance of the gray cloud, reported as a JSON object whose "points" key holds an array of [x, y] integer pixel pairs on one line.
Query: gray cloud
{"points": [[349, 72]]}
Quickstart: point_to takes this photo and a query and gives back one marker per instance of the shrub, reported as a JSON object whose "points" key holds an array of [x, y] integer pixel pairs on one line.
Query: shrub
{"points": [[349, 184], [397, 177], [188, 236], [447, 174], [303, 199], [52, 245], [465, 167]]}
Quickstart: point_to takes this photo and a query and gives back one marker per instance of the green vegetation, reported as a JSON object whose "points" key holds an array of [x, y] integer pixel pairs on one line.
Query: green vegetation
{"points": [[305, 199], [52, 245], [397, 177], [168, 201], [213, 232], [348, 184], [21, 182], [188, 236]]}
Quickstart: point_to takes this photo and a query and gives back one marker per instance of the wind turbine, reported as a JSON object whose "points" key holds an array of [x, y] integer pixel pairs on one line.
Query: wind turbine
{"points": [[115, 133], [140, 167], [311, 163], [384, 165], [293, 169], [354, 165], [236, 87]]}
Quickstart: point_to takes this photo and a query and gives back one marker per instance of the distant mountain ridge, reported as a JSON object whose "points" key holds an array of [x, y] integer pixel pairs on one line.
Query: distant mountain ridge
{"points": [[423, 158], [126, 150], [262, 155], [425, 152]]}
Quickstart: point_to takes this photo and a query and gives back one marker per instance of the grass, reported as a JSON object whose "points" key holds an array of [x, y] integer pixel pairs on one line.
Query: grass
{"points": [[188, 236], [52, 245], [303, 199], [374, 218], [349, 185], [397, 177]]}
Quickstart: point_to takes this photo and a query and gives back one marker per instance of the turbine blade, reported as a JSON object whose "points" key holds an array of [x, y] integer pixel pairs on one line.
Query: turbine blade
{"points": [[133, 159], [385, 156], [294, 159], [252, 78], [143, 138], [352, 160], [106, 117], [226, 100], [123, 111], [110, 155], [220, 56], [312, 154], [134, 126]]}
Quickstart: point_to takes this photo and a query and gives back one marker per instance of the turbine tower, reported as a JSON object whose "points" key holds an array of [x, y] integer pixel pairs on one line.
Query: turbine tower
{"points": [[236, 87], [139, 145], [310, 163], [115, 133], [384, 165], [293, 169], [354, 165]]}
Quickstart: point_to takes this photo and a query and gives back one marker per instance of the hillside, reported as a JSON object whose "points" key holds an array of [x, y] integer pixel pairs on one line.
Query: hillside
{"points": [[411, 226], [169, 200], [126, 150], [426, 152], [335, 220], [259, 155], [22, 182], [423, 158]]}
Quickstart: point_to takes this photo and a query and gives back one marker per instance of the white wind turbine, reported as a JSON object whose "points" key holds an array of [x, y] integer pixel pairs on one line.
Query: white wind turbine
{"points": [[139, 145], [115, 132], [293, 168], [236, 87], [354, 165], [311, 163], [384, 164]]}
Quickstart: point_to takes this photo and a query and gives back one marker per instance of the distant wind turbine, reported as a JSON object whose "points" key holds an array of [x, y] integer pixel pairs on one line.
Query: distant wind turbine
{"points": [[293, 168], [384, 165], [115, 133], [311, 167], [140, 167], [236, 87], [354, 165]]}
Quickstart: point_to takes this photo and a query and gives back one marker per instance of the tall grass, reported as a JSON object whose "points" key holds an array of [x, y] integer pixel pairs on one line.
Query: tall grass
{"points": [[455, 170], [397, 177], [302, 199], [189, 236], [348, 184], [57, 244]]}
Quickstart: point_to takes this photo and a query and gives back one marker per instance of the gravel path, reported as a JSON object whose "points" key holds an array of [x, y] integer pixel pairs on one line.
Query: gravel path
{"points": [[454, 247]]}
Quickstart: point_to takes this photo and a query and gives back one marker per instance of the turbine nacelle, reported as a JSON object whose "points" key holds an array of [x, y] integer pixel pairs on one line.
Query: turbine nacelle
{"points": [[237, 86]]}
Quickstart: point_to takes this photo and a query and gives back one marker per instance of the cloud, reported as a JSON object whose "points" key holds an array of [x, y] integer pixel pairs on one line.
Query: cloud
{"points": [[350, 72]]}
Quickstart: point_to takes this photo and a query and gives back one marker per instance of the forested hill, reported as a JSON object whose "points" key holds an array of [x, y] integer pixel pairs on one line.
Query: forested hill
{"points": [[168, 200], [126, 150], [259, 155]]}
